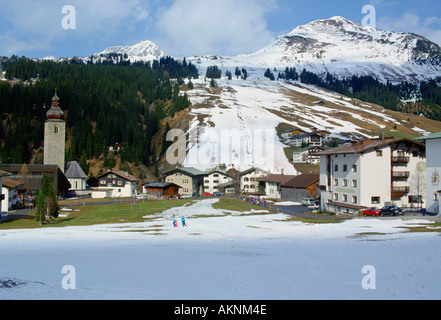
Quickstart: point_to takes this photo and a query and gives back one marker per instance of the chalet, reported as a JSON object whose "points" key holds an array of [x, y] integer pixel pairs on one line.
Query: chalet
{"points": [[3, 174], [433, 172], [310, 139], [299, 187], [291, 133], [248, 180], [11, 189], [216, 180], [114, 183], [271, 184], [161, 190], [372, 172], [307, 155], [190, 179]]}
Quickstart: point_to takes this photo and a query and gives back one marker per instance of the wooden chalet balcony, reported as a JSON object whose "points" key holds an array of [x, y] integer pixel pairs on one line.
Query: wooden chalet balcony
{"points": [[400, 174], [400, 159]]}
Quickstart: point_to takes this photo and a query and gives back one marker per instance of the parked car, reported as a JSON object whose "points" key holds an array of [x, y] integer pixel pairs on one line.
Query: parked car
{"points": [[391, 211], [195, 195], [372, 212], [218, 194], [308, 202], [185, 196], [206, 194]]}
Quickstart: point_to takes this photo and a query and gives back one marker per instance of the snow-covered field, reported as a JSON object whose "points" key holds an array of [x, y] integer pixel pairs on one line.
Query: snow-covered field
{"points": [[222, 257]]}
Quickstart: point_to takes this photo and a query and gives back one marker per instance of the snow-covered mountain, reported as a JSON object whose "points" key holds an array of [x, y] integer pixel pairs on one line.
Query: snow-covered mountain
{"points": [[345, 48], [143, 51], [336, 45]]}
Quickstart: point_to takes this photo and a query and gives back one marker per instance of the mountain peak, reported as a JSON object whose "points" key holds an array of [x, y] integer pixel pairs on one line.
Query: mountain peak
{"points": [[143, 51]]}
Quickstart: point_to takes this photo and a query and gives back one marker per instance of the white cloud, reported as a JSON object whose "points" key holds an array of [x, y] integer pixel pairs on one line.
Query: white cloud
{"points": [[30, 24], [227, 27], [429, 27]]}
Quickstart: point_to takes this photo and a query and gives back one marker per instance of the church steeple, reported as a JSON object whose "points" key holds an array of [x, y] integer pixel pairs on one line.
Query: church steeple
{"points": [[55, 135], [55, 111]]}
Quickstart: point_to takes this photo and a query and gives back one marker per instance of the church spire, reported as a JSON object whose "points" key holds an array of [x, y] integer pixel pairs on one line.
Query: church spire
{"points": [[55, 111]]}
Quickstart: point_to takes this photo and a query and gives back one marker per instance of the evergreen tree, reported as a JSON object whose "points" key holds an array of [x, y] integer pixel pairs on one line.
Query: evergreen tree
{"points": [[47, 204]]}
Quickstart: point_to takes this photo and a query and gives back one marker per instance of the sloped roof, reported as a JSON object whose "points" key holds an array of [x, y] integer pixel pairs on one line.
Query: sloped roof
{"points": [[366, 145], [302, 181], [277, 178], [11, 183], [190, 171], [74, 171], [430, 136], [120, 173], [161, 185]]}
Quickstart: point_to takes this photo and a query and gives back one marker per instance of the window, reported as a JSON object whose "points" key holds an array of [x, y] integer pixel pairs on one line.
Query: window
{"points": [[345, 168], [336, 168], [56, 130], [102, 182], [379, 153], [335, 182], [375, 200], [186, 181], [354, 199], [345, 198], [246, 179], [120, 183], [345, 183], [354, 168], [335, 196], [246, 186], [354, 183]]}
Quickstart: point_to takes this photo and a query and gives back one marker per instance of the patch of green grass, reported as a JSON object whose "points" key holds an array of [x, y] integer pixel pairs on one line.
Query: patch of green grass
{"points": [[434, 227], [100, 214], [233, 204]]}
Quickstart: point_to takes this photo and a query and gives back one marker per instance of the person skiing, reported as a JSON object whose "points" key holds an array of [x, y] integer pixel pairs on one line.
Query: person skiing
{"points": [[175, 221], [183, 221]]}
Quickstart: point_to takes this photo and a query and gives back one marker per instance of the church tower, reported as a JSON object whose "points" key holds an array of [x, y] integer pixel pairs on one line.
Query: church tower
{"points": [[55, 135]]}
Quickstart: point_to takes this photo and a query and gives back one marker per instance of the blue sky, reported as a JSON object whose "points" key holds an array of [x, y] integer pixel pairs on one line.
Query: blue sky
{"points": [[34, 28]]}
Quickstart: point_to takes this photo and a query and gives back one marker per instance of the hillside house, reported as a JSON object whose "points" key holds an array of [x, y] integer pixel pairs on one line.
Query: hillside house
{"points": [[307, 155], [311, 139], [371, 173], [189, 179], [433, 172], [299, 187], [114, 184]]}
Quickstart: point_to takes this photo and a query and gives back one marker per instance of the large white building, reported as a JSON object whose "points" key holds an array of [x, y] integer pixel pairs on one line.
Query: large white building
{"points": [[214, 179], [433, 183], [372, 173]]}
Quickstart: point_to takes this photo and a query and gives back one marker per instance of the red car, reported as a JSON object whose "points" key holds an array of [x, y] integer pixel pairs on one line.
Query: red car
{"points": [[207, 194], [372, 211]]}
